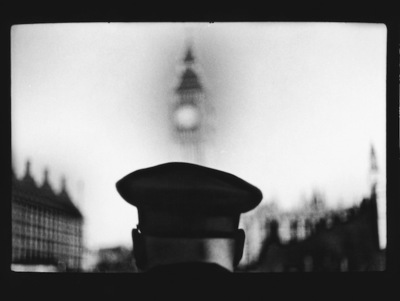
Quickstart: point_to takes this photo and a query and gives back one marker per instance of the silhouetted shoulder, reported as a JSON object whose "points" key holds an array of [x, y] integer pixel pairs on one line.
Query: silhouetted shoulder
{"points": [[188, 268]]}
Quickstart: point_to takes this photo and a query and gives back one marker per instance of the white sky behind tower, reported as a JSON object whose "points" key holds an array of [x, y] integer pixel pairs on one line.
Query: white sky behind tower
{"points": [[297, 107]]}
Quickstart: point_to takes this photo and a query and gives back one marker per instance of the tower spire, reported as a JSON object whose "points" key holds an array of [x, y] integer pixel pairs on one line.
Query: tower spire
{"points": [[373, 170], [28, 179], [374, 165], [189, 57], [28, 168], [46, 175], [46, 184]]}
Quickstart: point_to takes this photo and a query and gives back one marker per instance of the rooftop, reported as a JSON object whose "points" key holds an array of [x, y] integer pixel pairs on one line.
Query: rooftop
{"points": [[43, 195]]}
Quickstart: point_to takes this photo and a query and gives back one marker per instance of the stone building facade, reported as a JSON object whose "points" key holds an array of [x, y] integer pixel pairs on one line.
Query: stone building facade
{"points": [[46, 227], [314, 238]]}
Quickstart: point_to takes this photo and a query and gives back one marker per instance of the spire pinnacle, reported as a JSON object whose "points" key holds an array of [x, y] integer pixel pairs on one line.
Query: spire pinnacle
{"points": [[28, 168], [63, 184], [189, 58], [28, 179], [46, 175], [373, 171], [374, 165]]}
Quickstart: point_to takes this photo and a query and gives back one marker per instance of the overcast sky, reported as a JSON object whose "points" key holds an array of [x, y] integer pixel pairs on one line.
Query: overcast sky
{"points": [[296, 108]]}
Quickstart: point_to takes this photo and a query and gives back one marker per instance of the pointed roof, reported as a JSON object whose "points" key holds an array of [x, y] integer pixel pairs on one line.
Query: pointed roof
{"points": [[64, 193], [189, 81], [27, 190], [64, 198], [189, 58], [28, 180], [46, 187]]}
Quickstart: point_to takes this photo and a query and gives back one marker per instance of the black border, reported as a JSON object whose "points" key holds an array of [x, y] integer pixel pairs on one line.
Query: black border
{"points": [[111, 285]]}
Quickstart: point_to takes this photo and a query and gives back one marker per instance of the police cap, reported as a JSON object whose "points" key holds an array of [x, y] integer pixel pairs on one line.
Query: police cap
{"points": [[180, 198]]}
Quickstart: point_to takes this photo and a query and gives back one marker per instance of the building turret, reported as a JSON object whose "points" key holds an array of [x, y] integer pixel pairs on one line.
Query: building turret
{"points": [[28, 180], [46, 187]]}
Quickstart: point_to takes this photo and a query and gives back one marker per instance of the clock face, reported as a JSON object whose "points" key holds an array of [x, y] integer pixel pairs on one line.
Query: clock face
{"points": [[187, 117]]}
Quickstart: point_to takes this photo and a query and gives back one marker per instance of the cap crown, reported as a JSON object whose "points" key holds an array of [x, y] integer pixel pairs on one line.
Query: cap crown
{"points": [[184, 187]]}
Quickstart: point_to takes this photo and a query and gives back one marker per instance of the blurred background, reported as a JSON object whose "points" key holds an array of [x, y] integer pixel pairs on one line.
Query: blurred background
{"points": [[297, 109]]}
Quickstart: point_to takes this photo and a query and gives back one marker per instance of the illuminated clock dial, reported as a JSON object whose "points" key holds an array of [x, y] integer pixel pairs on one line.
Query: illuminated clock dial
{"points": [[187, 117]]}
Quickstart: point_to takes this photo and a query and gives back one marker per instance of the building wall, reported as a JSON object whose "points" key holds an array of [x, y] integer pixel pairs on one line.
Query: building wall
{"points": [[43, 234], [327, 240]]}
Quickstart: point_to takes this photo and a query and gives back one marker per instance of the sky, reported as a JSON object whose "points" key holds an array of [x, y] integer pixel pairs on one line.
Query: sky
{"points": [[296, 108]]}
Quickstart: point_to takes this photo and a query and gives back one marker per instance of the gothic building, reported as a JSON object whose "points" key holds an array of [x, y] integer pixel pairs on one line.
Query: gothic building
{"points": [[46, 227], [315, 237], [337, 240]]}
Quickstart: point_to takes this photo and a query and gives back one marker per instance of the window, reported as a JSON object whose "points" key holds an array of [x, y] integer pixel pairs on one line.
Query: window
{"points": [[284, 231], [308, 227], [16, 228], [308, 263], [344, 264], [26, 214], [293, 229]]}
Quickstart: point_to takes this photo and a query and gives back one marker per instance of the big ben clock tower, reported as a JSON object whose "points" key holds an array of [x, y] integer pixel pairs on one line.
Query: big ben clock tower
{"points": [[188, 113]]}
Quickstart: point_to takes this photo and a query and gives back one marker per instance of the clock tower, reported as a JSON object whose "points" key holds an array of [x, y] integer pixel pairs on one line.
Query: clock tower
{"points": [[188, 112]]}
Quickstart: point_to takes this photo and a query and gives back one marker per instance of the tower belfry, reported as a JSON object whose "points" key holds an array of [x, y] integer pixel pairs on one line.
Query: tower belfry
{"points": [[188, 111]]}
